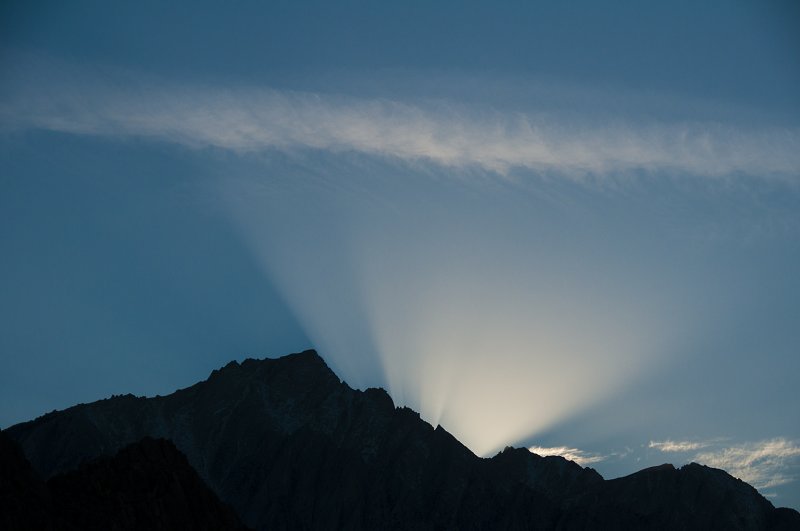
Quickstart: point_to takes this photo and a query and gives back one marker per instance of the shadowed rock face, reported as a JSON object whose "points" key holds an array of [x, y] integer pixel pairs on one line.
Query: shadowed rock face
{"points": [[24, 500], [663, 497], [148, 485], [289, 446]]}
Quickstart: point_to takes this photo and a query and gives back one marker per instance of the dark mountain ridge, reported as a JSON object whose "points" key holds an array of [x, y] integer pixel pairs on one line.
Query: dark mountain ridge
{"points": [[290, 446], [146, 486]]}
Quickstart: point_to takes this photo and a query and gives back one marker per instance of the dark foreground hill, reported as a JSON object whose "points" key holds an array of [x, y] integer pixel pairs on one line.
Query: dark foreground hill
{"points": [[148, 485], [289, 446]]}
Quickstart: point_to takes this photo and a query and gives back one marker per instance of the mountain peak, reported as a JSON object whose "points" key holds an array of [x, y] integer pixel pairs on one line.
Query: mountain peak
{"points": [[307, 356], [302, 365], [307, 360]]}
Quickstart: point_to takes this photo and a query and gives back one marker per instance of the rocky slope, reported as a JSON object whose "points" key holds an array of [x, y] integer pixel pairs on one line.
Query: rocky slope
{"points": [[148, 485], [24, 500], [289, 446]]}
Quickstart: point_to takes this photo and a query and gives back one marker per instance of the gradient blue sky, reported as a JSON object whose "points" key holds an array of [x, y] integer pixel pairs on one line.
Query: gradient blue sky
{"points": [[573, 226]]}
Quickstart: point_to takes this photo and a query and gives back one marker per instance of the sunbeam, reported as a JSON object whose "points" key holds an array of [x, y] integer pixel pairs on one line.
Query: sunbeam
{"points": [[489, 324]]}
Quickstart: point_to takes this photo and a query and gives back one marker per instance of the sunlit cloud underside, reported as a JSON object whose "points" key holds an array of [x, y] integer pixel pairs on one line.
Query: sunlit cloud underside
{"points": [[577, 455]]}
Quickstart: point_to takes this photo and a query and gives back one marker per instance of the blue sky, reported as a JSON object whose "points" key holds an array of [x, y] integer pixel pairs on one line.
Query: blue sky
{"points": [[570, 226]]}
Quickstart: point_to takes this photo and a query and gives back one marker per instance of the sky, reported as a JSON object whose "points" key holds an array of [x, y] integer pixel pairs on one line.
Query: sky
{"points": [[569, 226]]}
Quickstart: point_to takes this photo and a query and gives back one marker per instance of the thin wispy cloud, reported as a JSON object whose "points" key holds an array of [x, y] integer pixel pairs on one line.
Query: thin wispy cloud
{"points": [[763, 464], [678, 446], [577, 455], [449, 134]]}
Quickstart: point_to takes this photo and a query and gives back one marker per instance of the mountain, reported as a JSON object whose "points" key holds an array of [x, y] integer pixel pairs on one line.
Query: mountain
{"points": [[148, 485], [290, 446], [24, 500]]}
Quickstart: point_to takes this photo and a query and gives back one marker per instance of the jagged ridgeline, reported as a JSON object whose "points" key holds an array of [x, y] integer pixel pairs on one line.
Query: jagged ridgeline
{"points": [[287, 445]]}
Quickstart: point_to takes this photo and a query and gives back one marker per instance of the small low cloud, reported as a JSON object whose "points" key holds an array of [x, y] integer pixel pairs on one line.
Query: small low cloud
{"points": [[573, 454], [677, 446]]}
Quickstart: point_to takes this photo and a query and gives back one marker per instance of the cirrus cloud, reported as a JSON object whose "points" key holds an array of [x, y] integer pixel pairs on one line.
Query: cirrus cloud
{"points": [[764, 464], [677, 446], [252, 119]]}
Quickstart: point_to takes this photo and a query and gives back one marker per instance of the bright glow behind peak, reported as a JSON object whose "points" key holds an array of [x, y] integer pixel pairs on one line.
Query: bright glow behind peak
{"points": [[488, 324]]}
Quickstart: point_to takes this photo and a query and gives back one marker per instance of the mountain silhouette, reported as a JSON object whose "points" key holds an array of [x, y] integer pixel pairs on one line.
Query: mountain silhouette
{"points": [[289, 446], [148, 485]]}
